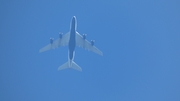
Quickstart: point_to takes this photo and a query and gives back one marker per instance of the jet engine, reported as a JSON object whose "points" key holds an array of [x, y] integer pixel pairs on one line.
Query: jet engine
{"points": [[84, 36], [92, 42], [60, 35], [51, 40]]}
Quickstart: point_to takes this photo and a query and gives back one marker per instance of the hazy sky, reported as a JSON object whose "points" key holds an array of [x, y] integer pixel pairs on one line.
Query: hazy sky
{"points": [[139, 39]]}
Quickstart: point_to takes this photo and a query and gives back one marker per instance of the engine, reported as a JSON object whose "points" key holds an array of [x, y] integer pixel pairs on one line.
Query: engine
{"points": [[60, 35], [51, 40], [92, 42], [84, 36]]}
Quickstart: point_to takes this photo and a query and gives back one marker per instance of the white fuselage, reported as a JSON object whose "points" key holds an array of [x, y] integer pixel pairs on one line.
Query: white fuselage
{"points": [[72, 40]]}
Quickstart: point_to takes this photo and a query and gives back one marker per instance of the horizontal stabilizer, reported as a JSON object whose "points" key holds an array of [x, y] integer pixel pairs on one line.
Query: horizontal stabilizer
{"points": [[64, 66], [67, 65], [75, 66]]}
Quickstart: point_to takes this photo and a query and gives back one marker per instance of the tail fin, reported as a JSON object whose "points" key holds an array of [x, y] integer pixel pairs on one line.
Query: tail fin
{"points": [[66, 65]]}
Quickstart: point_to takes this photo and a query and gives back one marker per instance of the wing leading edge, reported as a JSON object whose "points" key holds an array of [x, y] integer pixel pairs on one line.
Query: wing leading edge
{"points": [[63, 41], [86, 44]]}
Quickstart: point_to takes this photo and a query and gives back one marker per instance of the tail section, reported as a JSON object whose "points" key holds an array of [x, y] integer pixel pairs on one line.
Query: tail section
{"points": [[70, 65]]}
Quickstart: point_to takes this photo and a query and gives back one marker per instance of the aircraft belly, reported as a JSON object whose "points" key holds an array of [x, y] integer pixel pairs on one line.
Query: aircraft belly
{"points": [[72, 45]]}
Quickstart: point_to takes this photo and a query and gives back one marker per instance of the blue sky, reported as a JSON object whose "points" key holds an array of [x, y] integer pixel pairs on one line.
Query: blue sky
{"points": [[139, 40]]}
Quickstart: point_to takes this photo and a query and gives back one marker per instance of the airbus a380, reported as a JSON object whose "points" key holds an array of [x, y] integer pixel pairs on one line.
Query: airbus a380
{"points": [[72, 39]]}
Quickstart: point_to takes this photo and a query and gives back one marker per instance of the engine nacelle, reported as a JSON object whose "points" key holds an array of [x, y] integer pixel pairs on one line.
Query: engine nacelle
{"points": [[84, 36], [60, 35], [92, 42], [51, 40]]}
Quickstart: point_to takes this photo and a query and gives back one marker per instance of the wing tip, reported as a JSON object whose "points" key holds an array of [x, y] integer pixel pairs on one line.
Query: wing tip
{"points": [[102, 54], [40, 51]]}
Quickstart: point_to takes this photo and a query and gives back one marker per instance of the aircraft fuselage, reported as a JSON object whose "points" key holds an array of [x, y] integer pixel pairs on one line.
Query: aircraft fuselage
{"points": [[72, 39]]}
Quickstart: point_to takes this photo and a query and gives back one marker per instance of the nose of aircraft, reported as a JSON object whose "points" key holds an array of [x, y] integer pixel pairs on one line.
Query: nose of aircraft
{"points": [[73, 22], [74, 18]]}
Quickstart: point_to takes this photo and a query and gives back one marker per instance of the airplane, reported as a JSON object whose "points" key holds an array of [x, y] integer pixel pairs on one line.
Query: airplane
{"points": [[72, 39]]}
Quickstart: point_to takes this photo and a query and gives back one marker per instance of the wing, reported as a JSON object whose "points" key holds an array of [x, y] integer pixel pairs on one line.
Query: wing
{"points": [[86, 44], [63, 41]]}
